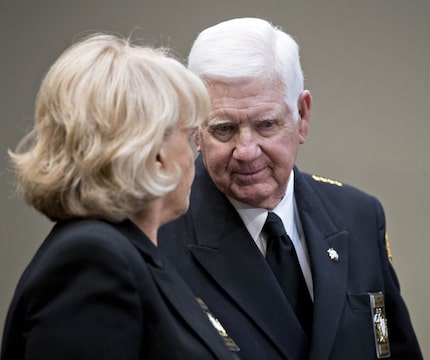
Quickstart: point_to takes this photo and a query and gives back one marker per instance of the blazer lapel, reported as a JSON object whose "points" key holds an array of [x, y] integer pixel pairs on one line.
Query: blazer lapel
{"points": [[329, 275], [174, 289], [228, 253]]}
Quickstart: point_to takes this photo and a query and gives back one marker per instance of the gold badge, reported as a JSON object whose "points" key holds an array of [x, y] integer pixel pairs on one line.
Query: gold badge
{"points": [[380, 325]]}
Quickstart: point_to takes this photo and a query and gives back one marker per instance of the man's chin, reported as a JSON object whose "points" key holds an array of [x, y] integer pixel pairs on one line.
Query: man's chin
{"points": [[255, 198]]}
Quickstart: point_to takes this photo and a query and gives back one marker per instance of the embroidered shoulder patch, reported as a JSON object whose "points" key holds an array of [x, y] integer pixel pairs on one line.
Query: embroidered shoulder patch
{"points": [[326, 180]]}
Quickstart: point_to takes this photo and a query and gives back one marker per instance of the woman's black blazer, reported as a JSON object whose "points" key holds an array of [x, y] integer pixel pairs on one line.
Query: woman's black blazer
{"points": [[97, 290]]}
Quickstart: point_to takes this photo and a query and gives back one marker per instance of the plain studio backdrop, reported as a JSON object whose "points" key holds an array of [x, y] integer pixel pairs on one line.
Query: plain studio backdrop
{"points": [[367, 64]]}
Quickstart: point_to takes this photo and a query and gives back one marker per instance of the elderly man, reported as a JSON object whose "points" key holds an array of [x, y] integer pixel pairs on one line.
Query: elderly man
{"points": [[292, 266]]}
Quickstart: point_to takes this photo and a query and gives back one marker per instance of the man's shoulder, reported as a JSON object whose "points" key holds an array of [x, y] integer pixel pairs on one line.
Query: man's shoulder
{"points": [[333, 193], [331, 185]]}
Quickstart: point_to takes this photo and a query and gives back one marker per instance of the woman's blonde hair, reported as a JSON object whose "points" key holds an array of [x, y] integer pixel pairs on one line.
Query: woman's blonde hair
{"points": [[102, 112]]}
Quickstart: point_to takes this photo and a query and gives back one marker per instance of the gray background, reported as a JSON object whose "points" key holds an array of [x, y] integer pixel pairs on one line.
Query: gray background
{"points": [[366, 63]]}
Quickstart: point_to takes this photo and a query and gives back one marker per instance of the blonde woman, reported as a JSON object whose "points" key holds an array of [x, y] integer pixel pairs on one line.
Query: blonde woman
{"points": [[108, 160]]}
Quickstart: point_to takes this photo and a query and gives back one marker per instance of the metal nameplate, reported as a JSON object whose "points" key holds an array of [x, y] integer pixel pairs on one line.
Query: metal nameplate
{"points": [[380, 325]]}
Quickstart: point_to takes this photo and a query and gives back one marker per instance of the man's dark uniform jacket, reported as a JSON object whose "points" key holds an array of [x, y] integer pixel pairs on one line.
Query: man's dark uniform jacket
{"points": [[215, 254]]}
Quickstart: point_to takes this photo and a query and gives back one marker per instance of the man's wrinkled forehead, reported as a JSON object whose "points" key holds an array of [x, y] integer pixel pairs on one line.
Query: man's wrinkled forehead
{"points": [[255, 95], [238, 117]]}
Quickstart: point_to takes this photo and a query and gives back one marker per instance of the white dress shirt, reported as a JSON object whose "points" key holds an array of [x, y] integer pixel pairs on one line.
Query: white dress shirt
{"points": [[254, 219]]}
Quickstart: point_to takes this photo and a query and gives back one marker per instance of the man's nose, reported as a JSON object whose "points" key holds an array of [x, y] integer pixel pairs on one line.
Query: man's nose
{"points": [[247, 147]]}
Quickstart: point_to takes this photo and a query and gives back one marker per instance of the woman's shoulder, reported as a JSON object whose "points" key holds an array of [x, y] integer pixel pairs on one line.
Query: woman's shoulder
{"points": [[83, 244]]}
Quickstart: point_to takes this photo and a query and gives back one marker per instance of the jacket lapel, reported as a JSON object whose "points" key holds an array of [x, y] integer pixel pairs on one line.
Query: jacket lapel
{"points": [[228, 253], [329, 276], [174, 289]]}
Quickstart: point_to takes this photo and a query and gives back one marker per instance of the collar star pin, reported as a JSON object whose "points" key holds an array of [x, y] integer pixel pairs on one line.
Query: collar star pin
{"points": [[332, 253]]}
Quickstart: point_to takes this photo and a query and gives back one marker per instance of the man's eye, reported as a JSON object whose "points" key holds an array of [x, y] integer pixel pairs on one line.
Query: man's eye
{"points": [[222, 132], [267, 127], [266, 124]]}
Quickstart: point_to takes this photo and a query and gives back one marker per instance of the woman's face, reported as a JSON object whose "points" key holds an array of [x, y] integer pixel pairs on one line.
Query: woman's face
{"points": [[177, 152]]}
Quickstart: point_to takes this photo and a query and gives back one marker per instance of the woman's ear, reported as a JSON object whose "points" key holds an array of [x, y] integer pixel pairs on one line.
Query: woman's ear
{"points": [[160, 159], [305, 107]]}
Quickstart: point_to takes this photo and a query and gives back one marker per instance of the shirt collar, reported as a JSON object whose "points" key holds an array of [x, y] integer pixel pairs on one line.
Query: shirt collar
{"points": [[254, 218]]}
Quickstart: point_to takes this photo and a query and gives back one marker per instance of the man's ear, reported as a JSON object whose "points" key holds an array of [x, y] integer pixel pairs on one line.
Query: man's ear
{"points": [[197, 139], [304, 107]]}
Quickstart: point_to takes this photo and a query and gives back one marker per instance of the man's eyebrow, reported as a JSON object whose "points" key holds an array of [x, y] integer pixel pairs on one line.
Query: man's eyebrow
{"points": [[218, 121], [268, 116]]}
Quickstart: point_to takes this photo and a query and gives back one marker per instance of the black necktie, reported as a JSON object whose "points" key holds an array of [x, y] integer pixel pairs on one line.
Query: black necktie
{"points": [[282, 258]]}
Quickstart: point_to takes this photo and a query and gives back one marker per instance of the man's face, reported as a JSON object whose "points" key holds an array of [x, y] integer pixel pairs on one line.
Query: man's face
{"points": [[250, 142]]}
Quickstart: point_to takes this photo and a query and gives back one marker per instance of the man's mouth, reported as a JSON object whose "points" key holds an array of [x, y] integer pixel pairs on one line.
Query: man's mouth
{"points": [[248, 176]]}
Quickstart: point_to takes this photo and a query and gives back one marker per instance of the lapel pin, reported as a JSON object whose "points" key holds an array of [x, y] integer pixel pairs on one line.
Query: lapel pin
{"points": [[229, 342], [332, 253]]}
